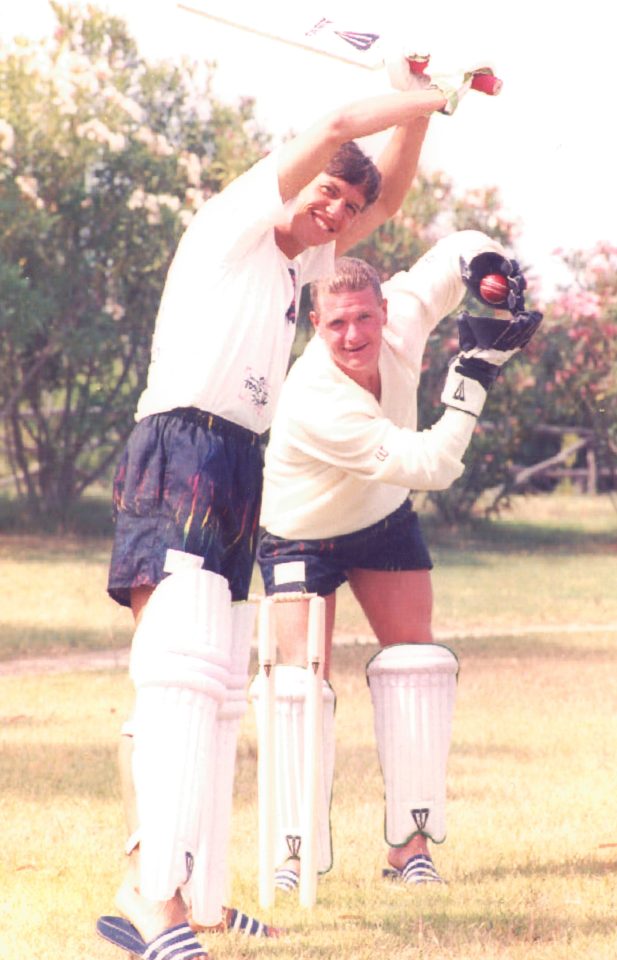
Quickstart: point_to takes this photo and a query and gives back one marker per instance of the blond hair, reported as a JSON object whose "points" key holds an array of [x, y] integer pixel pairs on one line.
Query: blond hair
{"points": [[350, 273]]}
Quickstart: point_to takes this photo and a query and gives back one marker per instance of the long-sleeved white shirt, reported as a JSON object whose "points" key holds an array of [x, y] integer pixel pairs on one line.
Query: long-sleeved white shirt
{"points": [[338, 459]]}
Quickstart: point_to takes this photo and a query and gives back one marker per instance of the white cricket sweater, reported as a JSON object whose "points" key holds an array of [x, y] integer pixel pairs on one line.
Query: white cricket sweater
{"points": [[338, 460]]}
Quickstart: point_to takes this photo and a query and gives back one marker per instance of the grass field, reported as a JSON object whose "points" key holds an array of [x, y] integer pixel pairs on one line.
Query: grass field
{"points": [[530, 607], [549, 563]]}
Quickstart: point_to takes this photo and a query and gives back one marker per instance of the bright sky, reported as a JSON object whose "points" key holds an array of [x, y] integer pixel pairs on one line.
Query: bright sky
{"points": [[547, 142]]}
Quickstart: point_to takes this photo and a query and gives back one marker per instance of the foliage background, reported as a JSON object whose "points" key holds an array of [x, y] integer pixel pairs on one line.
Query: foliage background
{"points": [[104, 158]]}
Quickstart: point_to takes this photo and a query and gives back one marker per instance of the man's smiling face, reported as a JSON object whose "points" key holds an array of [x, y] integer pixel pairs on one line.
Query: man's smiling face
{"points": [[351, 323], [325, 207]]}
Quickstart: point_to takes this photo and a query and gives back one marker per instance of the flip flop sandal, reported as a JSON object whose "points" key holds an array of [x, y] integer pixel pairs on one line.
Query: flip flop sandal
{"points": [[418, 869], [177, 943], [235, 921], [286, 879], [238, 922]]}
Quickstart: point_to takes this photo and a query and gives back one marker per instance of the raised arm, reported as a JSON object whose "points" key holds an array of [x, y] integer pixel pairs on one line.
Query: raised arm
{"points": [[397, 164], [308, 153]]}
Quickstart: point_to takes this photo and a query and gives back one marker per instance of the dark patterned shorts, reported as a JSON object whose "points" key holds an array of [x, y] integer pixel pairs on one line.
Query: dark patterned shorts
{"points": [[191, 482], [320, 566]]}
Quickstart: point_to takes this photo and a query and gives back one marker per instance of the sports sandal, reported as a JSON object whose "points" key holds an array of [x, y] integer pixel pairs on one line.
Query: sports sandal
{"points": [[418, 869], [238, 922], [235, 921], [177, 943], [286, 879]]}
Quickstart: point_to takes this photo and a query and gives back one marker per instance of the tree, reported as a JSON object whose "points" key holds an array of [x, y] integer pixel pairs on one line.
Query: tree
{"points": [[103, 160], [575, 358]]}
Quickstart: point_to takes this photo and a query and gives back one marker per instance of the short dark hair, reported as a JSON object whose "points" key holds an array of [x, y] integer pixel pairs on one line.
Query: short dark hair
{"points": [[351, 164], [350, 273]]}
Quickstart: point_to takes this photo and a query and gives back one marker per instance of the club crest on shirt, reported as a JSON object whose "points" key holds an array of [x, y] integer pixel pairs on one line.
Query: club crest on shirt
{"points": [[381, 454], [255, 389]]}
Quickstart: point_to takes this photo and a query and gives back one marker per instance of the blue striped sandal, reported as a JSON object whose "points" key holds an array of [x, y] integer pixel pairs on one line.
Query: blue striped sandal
{"points": [[418, 869], [177, 943]]}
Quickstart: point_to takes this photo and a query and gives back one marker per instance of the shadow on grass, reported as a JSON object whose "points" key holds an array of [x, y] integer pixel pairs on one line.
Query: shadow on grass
{"points": [[90, 517], [533, 646], [26, 549], [350, 659], [504, 536], [27, 641]]}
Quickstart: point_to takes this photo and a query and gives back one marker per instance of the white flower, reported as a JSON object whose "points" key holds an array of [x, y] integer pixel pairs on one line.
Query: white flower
{"points": [[29, 188], [192, 165], [169, 201], [152, 203], [115, 310], [158, 144], [7, 136], [137, 199], [98, 132], [130, 107], [194, 198]]}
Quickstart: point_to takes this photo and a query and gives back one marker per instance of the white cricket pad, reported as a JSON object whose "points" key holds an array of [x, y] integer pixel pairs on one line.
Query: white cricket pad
{"points": [[209, 885], [180, 668], [413, 689], [290, 700]]}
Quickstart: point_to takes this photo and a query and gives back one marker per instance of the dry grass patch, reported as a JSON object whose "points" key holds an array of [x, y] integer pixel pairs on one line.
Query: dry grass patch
{"points": [[532, 776]]}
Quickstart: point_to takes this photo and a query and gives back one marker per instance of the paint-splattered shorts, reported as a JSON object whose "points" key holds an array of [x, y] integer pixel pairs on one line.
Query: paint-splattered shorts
{"points": [[320, 566], [187, 481]]}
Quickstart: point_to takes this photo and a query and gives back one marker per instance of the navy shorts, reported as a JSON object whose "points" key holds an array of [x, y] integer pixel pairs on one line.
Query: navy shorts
{"points": [[320, 566], [187, 481]]}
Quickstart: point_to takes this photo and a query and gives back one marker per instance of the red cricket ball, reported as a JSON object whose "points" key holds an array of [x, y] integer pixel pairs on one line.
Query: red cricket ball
{"points": [[494, 288]]}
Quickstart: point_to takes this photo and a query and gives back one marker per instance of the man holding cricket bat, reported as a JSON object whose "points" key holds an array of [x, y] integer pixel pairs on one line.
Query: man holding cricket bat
{"points": [[188, 488], [343, 456]]}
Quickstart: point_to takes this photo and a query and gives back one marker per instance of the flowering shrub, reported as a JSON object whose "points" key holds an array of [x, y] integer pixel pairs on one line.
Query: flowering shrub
{"points": [[103, 161], [575, 357]]}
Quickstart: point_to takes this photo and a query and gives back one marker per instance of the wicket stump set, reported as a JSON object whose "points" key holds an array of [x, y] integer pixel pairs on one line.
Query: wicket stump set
{"points": [[313, 729]]}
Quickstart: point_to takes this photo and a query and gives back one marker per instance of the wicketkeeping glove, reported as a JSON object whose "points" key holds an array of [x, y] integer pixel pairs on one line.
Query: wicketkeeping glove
{"points": [[486, 344], [488, 263]]}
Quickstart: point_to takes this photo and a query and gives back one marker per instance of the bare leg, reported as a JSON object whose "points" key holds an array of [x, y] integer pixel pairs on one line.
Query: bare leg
{"points": [[139, 598], [398, 605], [398, 856]]}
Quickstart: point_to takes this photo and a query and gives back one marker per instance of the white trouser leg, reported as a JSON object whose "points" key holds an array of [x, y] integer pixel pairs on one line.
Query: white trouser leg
{"points": [[209, 885], [180, 668], [413, 689]]}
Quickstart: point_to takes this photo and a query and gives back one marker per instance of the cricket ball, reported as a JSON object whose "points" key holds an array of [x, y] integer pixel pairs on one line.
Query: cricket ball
{"points": [[494, 288]]}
